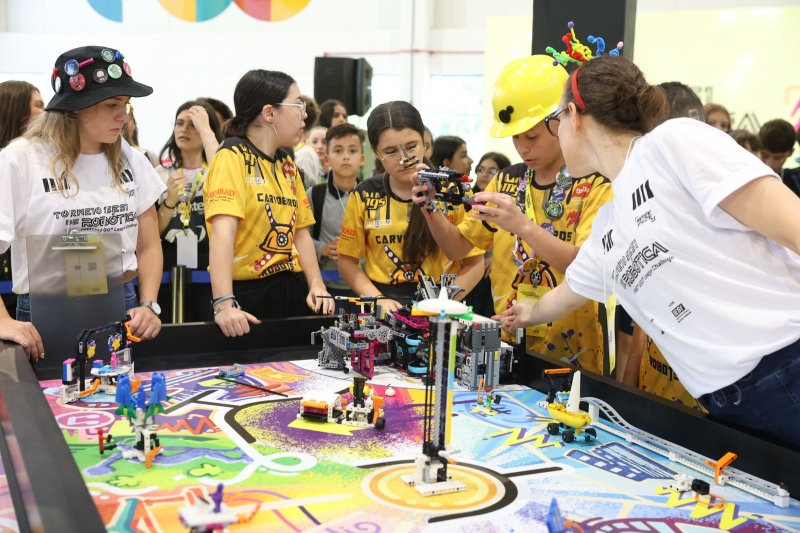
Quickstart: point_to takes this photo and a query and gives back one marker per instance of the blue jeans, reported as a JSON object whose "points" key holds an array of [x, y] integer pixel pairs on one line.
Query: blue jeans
{"points": [[766, 400], [24, 302]]}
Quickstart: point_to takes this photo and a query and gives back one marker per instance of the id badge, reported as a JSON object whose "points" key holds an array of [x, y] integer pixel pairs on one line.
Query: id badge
{"points": [[86, 269], [611, 327], [187, 249], [529, 295]]}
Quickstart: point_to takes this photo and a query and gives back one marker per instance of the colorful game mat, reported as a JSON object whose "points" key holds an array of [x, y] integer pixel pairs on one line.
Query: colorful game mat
{"points": [[304, 475]]}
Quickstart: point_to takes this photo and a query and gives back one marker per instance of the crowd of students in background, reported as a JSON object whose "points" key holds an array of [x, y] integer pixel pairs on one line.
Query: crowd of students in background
{"points": [[347, 225]]}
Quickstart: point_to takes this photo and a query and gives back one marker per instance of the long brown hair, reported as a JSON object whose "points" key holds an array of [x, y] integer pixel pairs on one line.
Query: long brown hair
{"points": [[60, 129], [418, 242], [15, 101], [616, 95], [171, 149]]}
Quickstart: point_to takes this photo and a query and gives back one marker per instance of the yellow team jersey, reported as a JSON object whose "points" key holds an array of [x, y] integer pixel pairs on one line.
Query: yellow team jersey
{"points": [[576, 338], [657, 377], [267, 197], [374, 226]]}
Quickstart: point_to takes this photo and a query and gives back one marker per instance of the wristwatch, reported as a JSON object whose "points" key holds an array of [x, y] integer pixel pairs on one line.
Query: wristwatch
{"points": [[154, 307]]}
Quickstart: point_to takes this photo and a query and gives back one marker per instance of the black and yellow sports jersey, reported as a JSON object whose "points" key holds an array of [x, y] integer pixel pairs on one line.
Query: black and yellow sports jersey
{"points": [[657, 376], [578, 336], [374, 226], [267, 197]]}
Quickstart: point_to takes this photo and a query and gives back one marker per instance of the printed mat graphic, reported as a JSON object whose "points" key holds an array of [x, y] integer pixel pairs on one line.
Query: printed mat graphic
{"points": [[318, 477]]}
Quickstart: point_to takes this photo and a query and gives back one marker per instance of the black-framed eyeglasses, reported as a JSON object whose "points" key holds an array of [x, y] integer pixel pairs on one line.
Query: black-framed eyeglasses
{"points": [[553, 116]]}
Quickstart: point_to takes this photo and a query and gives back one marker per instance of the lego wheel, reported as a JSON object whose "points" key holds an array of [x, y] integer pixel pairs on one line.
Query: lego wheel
{"points": [[346, 370], [552, 428], [380, 423], [591, 434], [568, 436]]}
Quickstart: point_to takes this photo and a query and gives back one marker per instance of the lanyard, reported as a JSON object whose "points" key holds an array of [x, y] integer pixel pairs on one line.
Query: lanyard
{"points": [[553, 209], [186, 212]]}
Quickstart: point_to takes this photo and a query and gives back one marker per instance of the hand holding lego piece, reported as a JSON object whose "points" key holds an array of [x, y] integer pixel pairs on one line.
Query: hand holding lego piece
{"points": [[501, 210], [446, 187], [144, 323]]}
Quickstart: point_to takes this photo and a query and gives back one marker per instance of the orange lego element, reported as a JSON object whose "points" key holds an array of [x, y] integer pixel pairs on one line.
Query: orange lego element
{"points": [[131, 336], [711, 500], [377, 404], [91, 390], [722, 464], [315, 404], [557, 371], [152, 455]]}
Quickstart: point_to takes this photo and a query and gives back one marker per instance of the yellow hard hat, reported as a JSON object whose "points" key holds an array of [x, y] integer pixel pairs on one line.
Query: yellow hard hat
{"points": [[526, 91]]}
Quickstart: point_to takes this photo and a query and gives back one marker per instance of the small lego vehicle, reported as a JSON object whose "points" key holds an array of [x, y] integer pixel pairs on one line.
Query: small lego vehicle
{"points": [[367, 409], [562, 404], [322, 406], [232, 371]]}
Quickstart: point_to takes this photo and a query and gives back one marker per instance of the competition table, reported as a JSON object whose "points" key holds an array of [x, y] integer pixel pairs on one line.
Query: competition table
{"points": [[307, 476]]}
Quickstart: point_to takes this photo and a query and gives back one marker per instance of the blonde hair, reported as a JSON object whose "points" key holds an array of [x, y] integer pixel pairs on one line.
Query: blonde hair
{"points": [[60, 129]]}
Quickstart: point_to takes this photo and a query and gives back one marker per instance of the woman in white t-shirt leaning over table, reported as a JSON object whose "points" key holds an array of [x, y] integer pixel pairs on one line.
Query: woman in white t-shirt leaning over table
{"points": [[699, 245], [71, 168]]}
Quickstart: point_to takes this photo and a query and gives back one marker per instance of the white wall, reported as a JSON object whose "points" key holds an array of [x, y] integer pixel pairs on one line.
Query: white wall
{"points": [[184, 60]]}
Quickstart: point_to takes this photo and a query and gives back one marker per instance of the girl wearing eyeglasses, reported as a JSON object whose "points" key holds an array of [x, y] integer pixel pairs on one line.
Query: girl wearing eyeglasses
{"points": [[73, 171], [383, 225], [538, 214], [262, 259], [489, 165]]}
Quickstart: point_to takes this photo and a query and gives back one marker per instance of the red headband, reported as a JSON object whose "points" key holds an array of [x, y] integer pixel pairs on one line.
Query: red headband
{"points": [[575, 92]]}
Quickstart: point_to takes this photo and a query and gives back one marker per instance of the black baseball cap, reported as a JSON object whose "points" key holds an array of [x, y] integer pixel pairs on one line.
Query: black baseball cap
{"points": [[88, 75]]}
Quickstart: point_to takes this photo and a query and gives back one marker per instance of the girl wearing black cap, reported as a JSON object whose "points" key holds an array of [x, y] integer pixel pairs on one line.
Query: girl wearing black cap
{"points": [[262, 259], [72, 171]]}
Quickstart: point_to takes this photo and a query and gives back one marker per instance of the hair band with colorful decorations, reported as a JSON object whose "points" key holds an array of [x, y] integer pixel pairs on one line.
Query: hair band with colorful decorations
{"points": [[576, 51]]}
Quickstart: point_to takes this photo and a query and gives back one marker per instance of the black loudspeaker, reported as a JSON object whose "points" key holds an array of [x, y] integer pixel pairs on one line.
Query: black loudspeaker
{"points": [[363, 87], [613, 20], [345, 79]]}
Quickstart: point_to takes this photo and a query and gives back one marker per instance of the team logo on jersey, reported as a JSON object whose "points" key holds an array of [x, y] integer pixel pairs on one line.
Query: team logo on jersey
{"points": [[255, 180], [582, 190], [641, 195], [404, 272], [288, 169], [279, 239], [574, 218], [507, 184], [373, 201]]}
